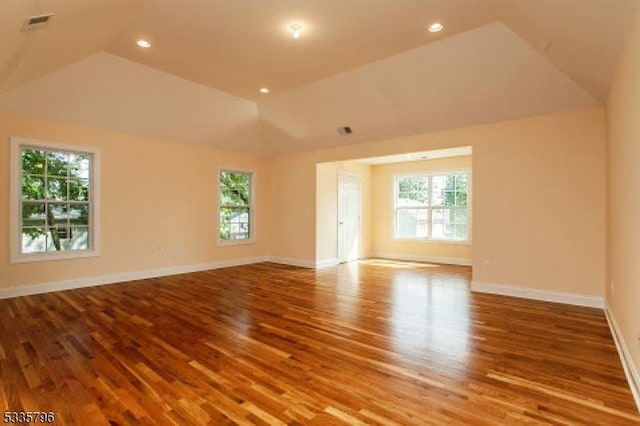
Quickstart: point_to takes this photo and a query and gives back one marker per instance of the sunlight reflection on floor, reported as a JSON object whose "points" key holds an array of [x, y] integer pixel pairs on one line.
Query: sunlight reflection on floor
{"points": [[398, 263]]}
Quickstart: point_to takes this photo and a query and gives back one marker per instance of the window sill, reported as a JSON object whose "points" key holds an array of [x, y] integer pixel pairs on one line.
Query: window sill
{"points": [[48, 257], [433, 241], [223, 243]]}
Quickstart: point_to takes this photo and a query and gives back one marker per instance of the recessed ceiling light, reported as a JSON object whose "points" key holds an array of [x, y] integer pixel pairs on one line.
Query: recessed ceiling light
{"points": [[296, 30], [436, 27], [264, 90], [143, 43]]}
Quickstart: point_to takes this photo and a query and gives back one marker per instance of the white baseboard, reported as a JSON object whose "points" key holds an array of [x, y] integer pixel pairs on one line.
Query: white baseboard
{"points": [[326, 262], [544, 295], [293, 262], [419, 258], [630, 370], [6, 293], [26, 290]]}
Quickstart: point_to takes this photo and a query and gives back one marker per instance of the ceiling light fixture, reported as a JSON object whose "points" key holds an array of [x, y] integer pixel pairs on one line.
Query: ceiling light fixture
{"points": [[436, 27], [264, 90], [296, 30], [143, 43]]}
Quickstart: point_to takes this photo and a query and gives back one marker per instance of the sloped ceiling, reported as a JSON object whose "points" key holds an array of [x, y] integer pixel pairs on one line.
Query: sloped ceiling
{"points": [[484, 75], [583, 38], [110, 92], [370, 64], [78, 29]]}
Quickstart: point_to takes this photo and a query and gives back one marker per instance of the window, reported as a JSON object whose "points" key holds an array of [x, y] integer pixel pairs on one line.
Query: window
{"points": [[432, 206], [53, 201], [236, 206]]}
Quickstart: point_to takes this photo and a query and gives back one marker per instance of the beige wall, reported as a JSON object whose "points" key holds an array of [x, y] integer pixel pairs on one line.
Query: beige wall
{"points": [[539, 203], [384, 243], [539, 197], [154, 193], [623, 180], [327, 208], [538, 186]]}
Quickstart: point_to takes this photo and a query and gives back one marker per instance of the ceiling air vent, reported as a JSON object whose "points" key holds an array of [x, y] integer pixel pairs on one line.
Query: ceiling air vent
{"points": [[345, 131], [37, 22]]}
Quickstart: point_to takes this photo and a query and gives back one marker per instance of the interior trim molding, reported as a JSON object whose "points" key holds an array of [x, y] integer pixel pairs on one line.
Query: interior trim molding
{"points": [[290, 261], [419, 258], [326, 262], [544, 295], [6, 293], [630, 371]]}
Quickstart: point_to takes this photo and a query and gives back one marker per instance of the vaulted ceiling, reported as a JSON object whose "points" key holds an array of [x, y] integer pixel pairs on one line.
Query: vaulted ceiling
{"points": [[370, 64]]}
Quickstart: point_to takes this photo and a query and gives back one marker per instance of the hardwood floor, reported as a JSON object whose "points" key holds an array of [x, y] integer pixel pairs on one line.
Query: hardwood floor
{"points": [[374, 342]]}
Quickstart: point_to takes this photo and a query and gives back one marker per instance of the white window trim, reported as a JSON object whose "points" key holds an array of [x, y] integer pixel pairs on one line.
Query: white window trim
{"points": [[15, 234], [253, 234], [394, 192]]}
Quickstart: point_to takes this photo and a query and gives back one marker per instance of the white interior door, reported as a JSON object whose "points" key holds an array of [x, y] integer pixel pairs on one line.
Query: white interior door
{"points": [[348, 217]]}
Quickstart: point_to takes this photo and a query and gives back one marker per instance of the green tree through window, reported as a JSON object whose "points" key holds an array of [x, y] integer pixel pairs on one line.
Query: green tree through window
{"points": [[55, 200], [432, 206], [235, 205]]}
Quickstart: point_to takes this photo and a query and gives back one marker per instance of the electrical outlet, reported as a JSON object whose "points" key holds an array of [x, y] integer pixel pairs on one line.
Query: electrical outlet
{"points": [[487, 264], [161, 252]]}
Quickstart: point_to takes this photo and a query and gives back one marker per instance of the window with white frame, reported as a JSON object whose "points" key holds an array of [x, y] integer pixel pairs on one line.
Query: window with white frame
{"points": [[236, 205], [53, 201], [432, 206]]}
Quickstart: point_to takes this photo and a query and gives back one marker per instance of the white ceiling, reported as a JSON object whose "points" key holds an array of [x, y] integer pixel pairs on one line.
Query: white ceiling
{"points": [[241, 46], [367, 63], [110, 92], [484, 75]]}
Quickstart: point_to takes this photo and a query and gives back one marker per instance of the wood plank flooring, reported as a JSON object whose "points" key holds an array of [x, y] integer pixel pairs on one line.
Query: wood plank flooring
{"points": [[371, 342]]}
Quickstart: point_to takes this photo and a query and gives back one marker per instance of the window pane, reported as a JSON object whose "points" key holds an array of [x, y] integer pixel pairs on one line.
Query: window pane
{"points": [[411, 223], [33, 214], [57, 163], [440, 228], [233, 197], [412, 191], [78, 239], [450, 190], [234, 223], [58, 214], [461, 190], [57, 189], [33, 161], [449, 224], [79, 189], [79, 165], [461, 224], [33, 240], [438, 185], [79, 214], [224, 223], [32, 187], [53, 239], [235, 189], [239, 224]]}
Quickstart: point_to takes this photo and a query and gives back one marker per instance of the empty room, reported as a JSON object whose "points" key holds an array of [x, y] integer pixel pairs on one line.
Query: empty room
{"points": [[291, 212]]}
